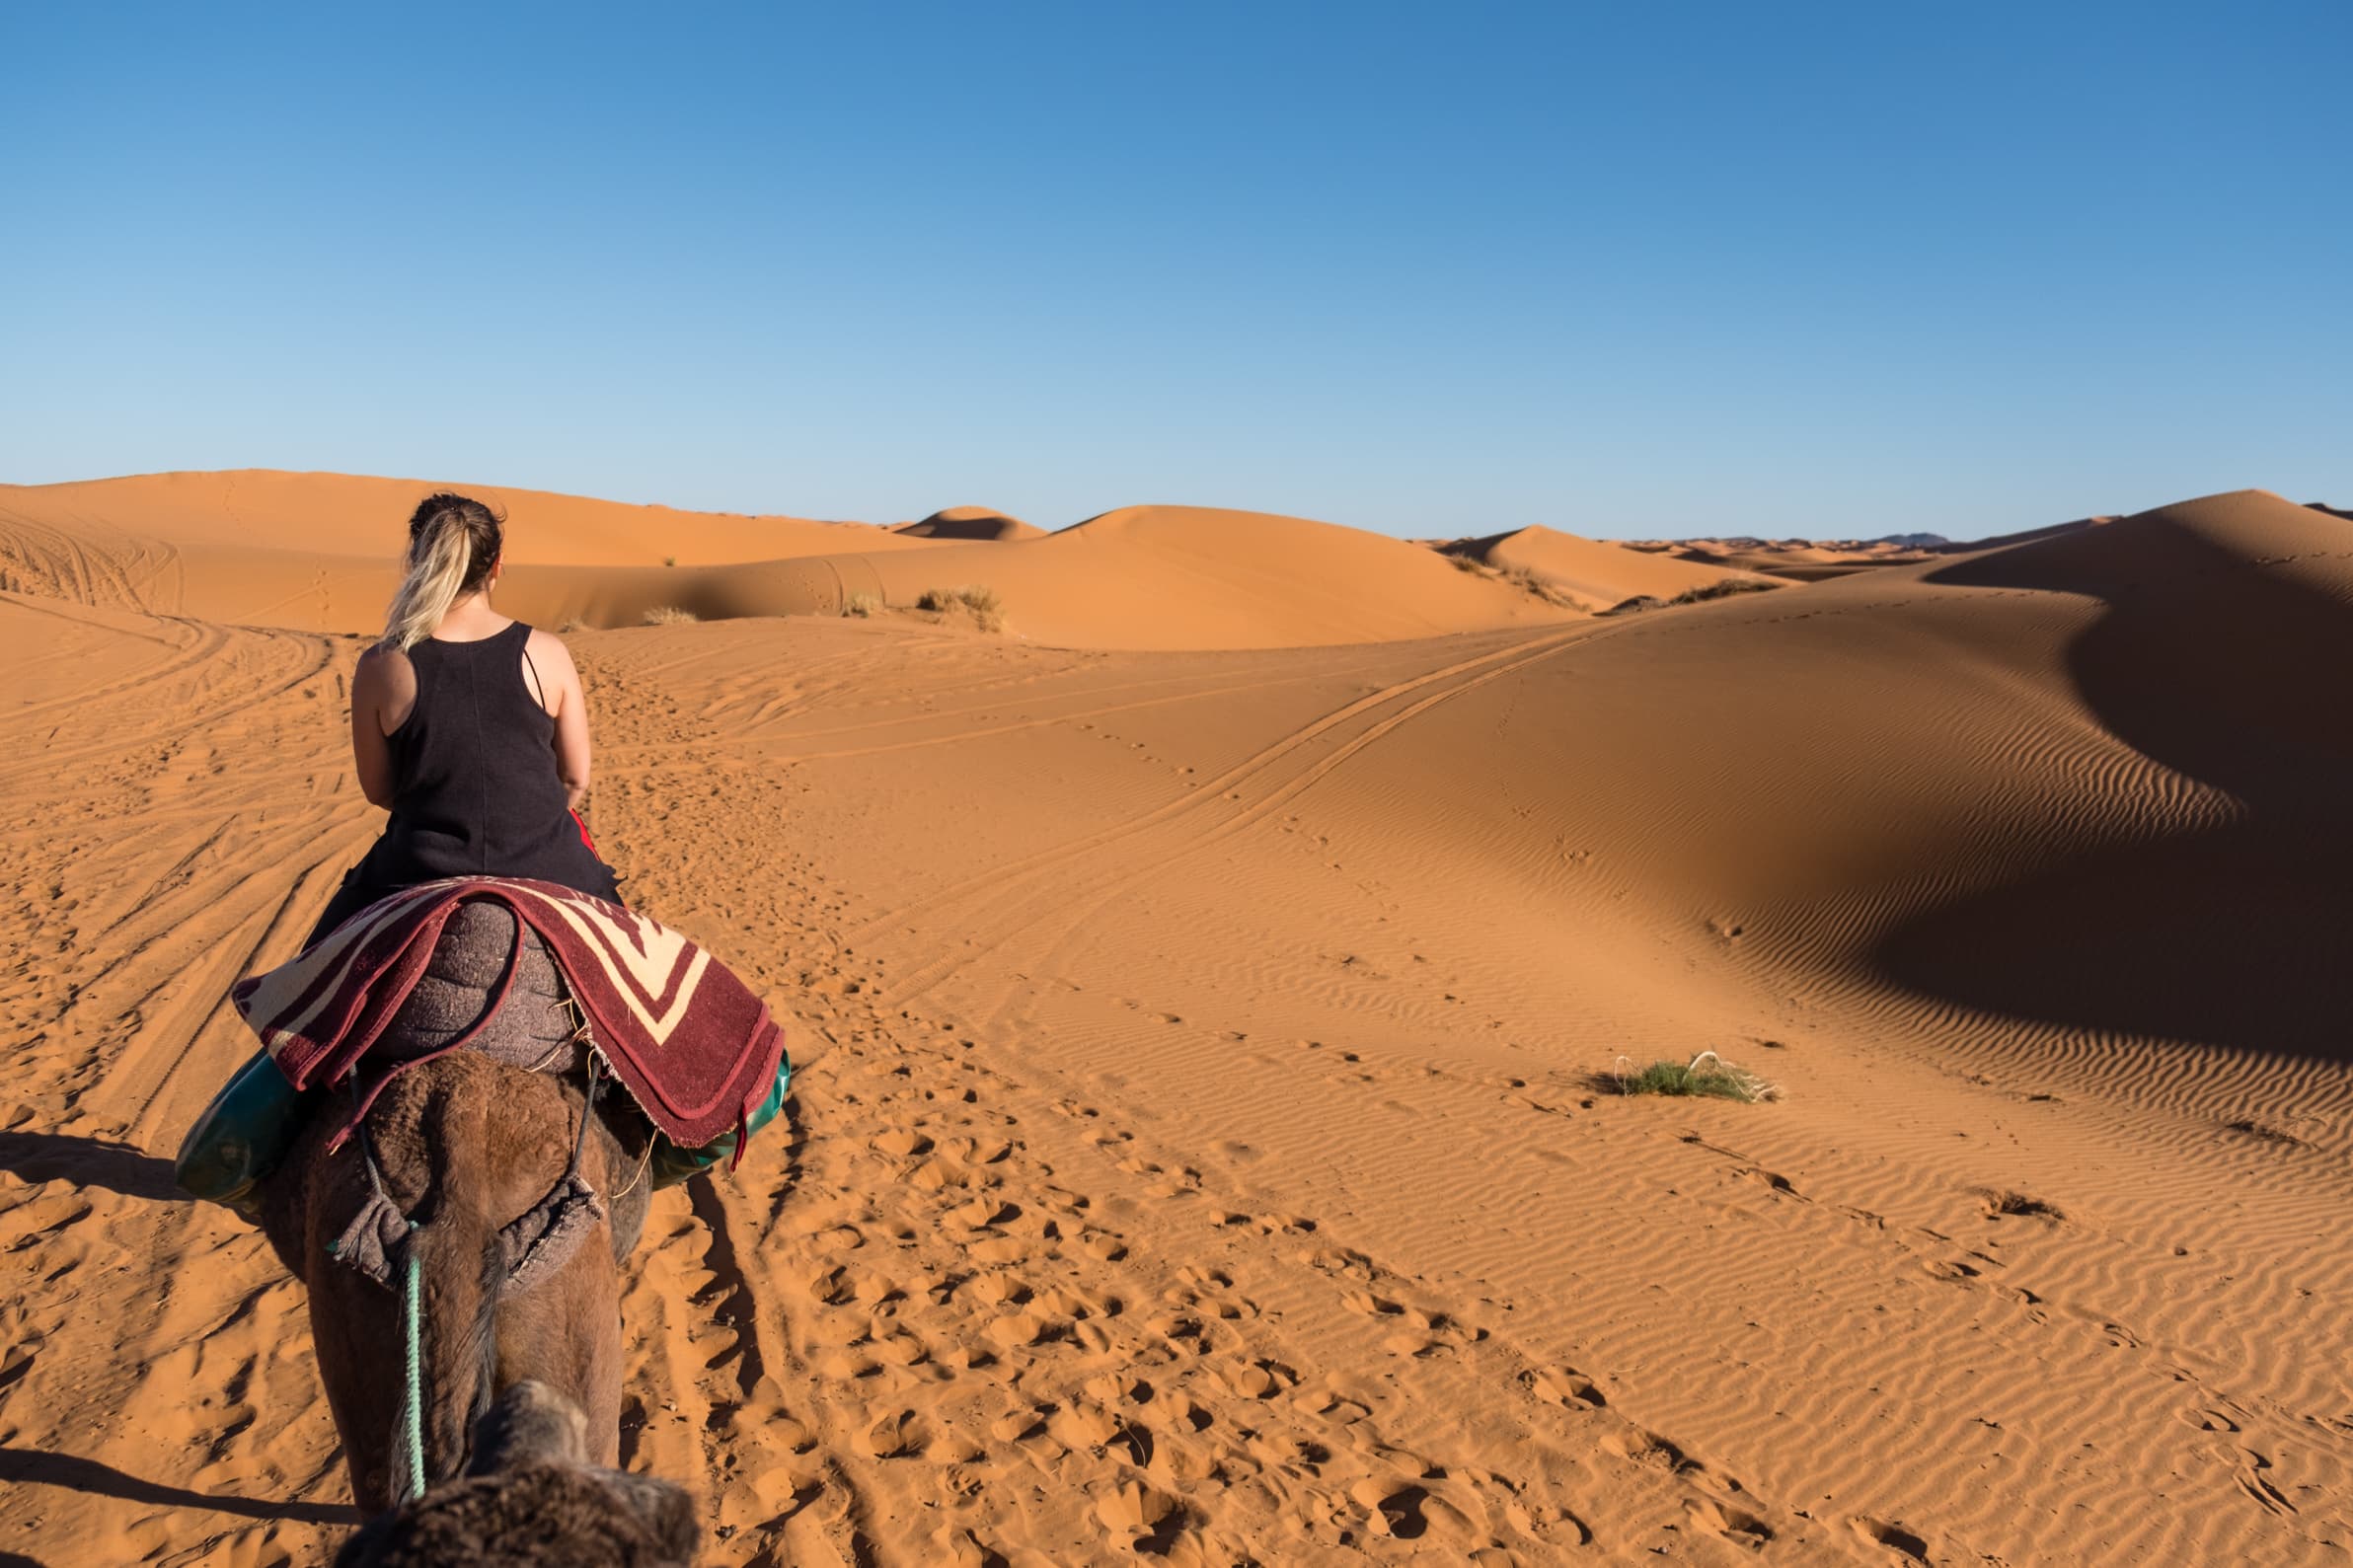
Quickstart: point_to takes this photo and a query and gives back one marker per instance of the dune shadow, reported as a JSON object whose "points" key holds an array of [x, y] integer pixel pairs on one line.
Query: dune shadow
{"points": [[73, 1473], [89, 1163], [2220, 668]]}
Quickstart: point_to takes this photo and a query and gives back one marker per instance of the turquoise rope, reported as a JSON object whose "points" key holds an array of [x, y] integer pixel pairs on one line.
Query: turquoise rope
{"points": [[410, 1439]]}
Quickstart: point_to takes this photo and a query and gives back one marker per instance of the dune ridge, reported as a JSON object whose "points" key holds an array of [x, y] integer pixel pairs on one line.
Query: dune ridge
{"points": [[1203, 1141], [1597, 573], [971, 522], [286, 550]]}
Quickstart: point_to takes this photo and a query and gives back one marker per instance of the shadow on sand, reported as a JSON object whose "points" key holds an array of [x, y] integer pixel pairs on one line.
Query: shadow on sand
{"points": [[89, 1163], [32, 1468], [2216, 664]]}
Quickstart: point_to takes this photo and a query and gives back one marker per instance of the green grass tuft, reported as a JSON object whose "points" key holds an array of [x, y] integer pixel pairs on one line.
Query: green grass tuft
{"points": [[1706, 1074]]}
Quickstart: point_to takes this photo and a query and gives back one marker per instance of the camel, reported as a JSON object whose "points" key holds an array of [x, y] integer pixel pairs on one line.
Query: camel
{"points": [[532, 1499], [474, 1151]]}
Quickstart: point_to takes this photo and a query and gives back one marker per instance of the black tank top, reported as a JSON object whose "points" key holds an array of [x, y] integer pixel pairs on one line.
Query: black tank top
{"points": [[474, 786]]}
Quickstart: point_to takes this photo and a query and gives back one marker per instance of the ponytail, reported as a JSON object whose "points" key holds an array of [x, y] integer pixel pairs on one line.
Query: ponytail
{"points": [[453, 542]]}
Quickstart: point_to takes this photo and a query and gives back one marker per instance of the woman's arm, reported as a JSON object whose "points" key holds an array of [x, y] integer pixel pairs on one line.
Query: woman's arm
{"points": [[383, 690], [564, 700]]}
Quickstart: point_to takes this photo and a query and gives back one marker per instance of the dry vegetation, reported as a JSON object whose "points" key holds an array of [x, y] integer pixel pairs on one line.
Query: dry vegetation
{"points": [[861, 605], [1722, 590], [1544, 588], [988, 611], [1706, 1076], [669, 615], [1520, 577], [2002, 1201]]}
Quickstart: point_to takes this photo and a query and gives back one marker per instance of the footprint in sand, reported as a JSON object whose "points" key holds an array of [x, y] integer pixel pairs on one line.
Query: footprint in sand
{"points": [[1905, 1543]]}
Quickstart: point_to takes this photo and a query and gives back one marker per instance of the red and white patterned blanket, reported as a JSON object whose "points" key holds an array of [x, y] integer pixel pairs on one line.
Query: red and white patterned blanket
{"points": [[688, 1039]]}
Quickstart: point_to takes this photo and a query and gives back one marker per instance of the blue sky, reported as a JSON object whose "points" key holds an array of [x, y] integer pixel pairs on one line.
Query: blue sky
{"points": [[1434, 270]]}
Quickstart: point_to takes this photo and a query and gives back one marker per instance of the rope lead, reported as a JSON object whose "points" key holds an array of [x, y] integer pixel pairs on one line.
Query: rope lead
{"points": [[408, 1441]]}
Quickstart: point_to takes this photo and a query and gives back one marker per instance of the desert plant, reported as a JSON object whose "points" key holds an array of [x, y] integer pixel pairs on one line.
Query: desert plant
{"points": [[861, 604], [669, 615], [1706, 1074], [988, 611], [1470, 563], [2001, 1200], [1724, 588], [670, 560], [1544, 588]]}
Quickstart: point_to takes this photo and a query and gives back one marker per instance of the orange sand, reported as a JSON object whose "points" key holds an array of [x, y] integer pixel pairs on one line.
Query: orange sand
{"points": [[1197, 1146], [1597, 574]]}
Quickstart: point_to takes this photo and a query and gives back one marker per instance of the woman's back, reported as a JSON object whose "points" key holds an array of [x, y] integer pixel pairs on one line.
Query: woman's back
{"points": [[480, 769], [476, 790]]}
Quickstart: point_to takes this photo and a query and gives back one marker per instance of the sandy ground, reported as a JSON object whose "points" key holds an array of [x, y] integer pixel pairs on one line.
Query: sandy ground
{"points": [[1197, 1147]]}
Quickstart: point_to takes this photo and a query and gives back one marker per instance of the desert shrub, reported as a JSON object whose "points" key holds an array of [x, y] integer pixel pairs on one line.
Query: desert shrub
{"points": [[2001, 1200], [861, 604], [669, 615], [988, 611], [576, 624], [1724, 588], [1468, 563], [1544, 588], [670, 560], [1706, 1074]]}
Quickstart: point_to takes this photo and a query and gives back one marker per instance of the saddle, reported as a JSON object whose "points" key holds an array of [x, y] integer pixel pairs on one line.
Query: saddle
{"points": [[483, 977]]}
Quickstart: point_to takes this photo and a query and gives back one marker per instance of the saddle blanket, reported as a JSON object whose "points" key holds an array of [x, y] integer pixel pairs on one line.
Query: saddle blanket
{"points": [[682, 1033]]}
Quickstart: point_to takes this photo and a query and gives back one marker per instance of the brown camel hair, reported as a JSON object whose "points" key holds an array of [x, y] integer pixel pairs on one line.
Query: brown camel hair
{"points": [[465, 1145], [531, 1499]]}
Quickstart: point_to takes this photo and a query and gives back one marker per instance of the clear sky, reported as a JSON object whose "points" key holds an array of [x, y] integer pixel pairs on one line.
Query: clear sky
{"points": [[1631, 270]]}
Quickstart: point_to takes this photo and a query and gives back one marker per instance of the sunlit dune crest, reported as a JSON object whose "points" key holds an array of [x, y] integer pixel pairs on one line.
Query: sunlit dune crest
{"points": [[969, 522]]}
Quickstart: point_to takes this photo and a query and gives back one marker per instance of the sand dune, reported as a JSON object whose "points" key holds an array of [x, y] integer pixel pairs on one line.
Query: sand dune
{"points": [[316, 552], [1145, 577], [1819, 560], [1596, 572], [971, 522], [1201, 1144]]}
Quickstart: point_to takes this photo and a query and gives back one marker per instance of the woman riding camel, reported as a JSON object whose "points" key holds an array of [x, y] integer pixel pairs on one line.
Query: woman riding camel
{"points": [[472, 729], [469, 727]]}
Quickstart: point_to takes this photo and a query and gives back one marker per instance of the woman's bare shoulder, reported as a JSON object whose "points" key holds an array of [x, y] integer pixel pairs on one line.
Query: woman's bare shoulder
{"points": [[546, 647], [381, 663]]}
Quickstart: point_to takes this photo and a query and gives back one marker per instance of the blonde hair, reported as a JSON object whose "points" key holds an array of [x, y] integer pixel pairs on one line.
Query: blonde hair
{"points": [[453, 542]]}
